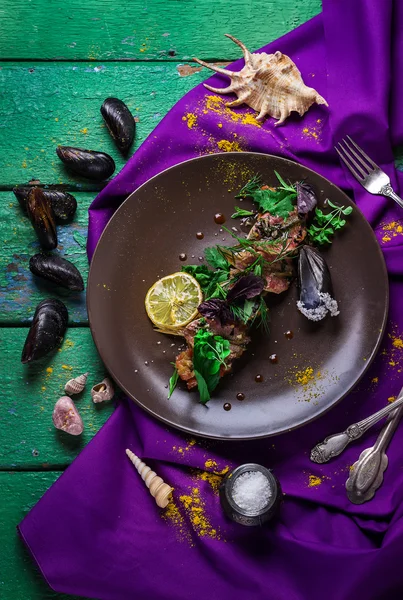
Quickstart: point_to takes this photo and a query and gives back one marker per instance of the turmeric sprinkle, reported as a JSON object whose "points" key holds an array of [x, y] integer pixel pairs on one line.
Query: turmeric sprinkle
{"points": [[304, 377], [391, 398], [195, 510], [391, 230], [191, 119], [314, 481], [217, 104], [173, 515], [210, 464], [227, 146]]}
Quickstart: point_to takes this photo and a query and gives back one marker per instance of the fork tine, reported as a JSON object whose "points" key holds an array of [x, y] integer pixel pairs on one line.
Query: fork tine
{"points": [[351, 158], [349, 167], [371, 162], [366, 167]]}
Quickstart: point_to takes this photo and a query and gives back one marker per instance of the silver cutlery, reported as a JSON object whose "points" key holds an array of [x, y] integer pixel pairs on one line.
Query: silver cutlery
{"points": [[366, 475], [366, 172], [334, 445]]}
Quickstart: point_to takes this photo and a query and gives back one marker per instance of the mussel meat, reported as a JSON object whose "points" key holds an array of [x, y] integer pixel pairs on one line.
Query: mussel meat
{"points": [[57, 269], [41, 214], [87, 163], [47, 330], [315, 286], [120, 122], [64, 205]]}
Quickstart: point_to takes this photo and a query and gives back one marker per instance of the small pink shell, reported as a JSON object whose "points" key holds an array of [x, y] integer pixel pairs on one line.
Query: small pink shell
{"points": [[66, 416]]}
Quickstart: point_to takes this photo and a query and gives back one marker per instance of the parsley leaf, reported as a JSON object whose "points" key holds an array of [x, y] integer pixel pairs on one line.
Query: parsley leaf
{"points": [[216, 258], [173, 380]]}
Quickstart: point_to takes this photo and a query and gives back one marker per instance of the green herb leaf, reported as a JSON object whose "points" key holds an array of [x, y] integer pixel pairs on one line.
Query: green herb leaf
{"points": [[201, 273], [286, 186], [173, 380], [278, 202], [216, 259], [325, 225], [240, 212], [209, 353], [202, 387]]}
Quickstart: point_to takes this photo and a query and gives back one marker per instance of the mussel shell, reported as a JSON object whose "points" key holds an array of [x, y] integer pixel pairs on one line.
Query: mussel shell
{"points": [[41, 214], [313, 277], [47, 330], [58, 270], [87, 163], [64, 205], [120, 122]]}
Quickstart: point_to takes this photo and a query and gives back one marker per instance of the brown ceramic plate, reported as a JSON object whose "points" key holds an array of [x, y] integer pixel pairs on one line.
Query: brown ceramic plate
{"points": [[143, 241]]}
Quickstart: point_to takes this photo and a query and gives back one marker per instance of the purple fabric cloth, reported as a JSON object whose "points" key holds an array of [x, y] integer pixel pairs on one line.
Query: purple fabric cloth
{"points": [[97, 533]]}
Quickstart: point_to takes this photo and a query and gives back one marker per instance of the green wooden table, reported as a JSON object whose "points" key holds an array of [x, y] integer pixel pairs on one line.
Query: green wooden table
{"points": [[58, 61]]}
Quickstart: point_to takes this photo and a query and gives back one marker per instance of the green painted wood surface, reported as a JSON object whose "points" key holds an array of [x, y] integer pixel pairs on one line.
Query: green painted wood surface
{"points": [[63, 107], [20, 579], [43, 104], [29, 392], [141, 30], [20, 291]]}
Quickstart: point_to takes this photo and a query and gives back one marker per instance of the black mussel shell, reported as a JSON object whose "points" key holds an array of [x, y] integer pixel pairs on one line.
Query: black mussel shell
{"points": [[47, 330], [57, 269], [315, 285], [41, 214], [120, 122], [306, 198], [64, 205], [87, 163]]}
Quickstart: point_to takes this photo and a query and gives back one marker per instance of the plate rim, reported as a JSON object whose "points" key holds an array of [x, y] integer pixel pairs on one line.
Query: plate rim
{"points": [[235, 438]]}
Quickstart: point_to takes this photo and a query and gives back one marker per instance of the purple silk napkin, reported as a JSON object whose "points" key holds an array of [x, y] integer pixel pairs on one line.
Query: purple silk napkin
{"points": [[97, 532]]}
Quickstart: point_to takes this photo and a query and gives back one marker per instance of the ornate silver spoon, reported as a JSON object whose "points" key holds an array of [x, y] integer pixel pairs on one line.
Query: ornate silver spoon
{"points": [[335, 444], [366, 475]]}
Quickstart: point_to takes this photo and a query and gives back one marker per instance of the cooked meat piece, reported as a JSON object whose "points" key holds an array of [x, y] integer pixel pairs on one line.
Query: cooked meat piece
{"points": [[184, 366]]}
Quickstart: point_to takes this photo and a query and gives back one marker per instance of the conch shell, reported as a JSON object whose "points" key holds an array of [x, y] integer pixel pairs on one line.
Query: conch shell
{"points": [[75, 386], [269, 83], [159, 490], [102, 392]]}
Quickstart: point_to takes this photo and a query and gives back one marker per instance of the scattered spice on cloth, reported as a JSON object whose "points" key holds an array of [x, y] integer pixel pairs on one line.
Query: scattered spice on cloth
{"points": [[391, 230], [251, 491], [191, 119], [314, 481], [217, 104], [195, 509], [227, 146]]}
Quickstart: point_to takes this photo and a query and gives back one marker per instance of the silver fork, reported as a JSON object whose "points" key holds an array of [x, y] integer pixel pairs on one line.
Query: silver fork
{"points": [[366, 172]]}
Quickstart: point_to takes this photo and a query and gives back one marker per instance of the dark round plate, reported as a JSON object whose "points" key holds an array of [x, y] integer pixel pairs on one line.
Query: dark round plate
{"points": [[315, 369]]}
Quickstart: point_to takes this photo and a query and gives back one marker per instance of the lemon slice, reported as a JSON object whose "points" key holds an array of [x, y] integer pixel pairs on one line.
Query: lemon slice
{"points": [[173, 300]]}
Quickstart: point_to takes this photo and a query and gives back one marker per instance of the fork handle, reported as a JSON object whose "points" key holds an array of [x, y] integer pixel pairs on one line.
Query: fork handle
{"points": [[387, 191]]}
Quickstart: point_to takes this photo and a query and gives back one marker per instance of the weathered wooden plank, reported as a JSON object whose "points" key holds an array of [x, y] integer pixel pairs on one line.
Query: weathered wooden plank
{"points": [[137, 29], [20, 291], [45, 105], [19, 577], [28, 437]]}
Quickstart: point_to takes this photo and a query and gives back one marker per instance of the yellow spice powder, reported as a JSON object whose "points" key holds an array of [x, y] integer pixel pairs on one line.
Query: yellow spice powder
{"points": [[227, 146], [196, 512], [191, 119], [217, 104], [314, 481], [304, 377]]}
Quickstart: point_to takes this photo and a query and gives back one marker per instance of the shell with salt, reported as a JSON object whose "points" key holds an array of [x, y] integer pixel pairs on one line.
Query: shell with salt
{"points": [[76, 385], [159, 490], [269, 83]]}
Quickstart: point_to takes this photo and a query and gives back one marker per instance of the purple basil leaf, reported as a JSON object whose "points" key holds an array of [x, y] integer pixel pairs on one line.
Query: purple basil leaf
{"points": [[245, 288], [216, 309], [306, 198]]}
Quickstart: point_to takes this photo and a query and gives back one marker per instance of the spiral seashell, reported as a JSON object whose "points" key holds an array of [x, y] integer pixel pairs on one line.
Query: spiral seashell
{"points": [[159, 490], [102, 392], [76, 385], [269, 83]]}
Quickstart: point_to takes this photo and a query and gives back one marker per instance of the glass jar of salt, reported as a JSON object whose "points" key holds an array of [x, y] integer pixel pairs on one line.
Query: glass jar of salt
{"points": [[250, 495]]}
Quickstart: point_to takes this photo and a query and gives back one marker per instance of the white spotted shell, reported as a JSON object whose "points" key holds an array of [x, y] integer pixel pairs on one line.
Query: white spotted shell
{"points": [[102, 392], [76, 385], [159, 490], [269, 83]]}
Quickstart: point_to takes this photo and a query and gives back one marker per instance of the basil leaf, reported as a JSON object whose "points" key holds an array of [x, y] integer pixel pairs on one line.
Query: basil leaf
{"points": [[202, 387], [173, 380]]}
